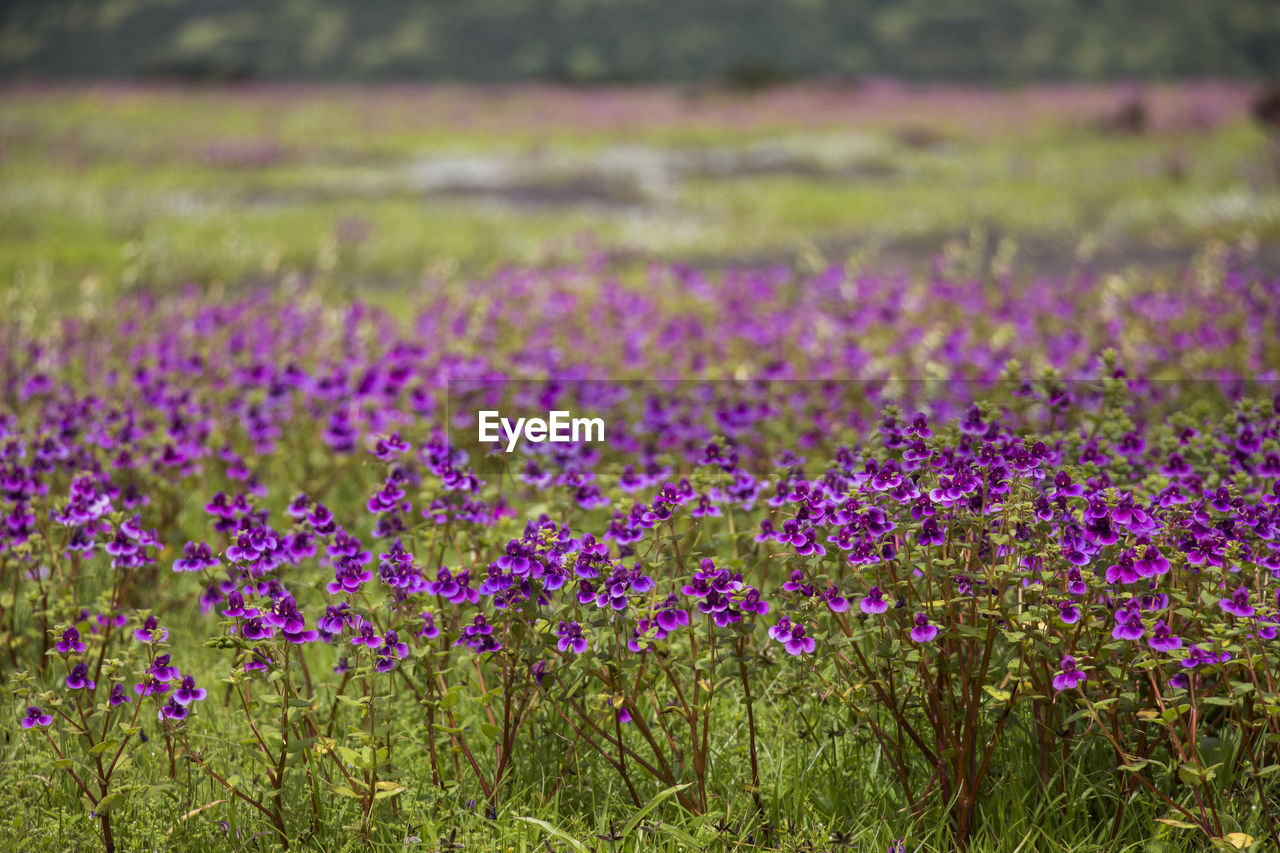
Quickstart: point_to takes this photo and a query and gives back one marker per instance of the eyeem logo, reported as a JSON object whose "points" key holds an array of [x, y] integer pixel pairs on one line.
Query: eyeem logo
{"points": [[558, 427]]}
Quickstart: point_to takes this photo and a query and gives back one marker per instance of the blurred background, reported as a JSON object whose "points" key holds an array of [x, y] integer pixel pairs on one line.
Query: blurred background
{"points": [[380, 144]]}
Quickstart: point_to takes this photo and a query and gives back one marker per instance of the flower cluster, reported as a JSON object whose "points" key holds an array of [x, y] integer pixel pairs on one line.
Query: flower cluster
{"points": [[1017, 535]]}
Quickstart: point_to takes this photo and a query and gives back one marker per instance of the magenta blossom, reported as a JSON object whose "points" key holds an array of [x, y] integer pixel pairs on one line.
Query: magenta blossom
{"points": [[873, 602], [570, 634], [187, 692], [36, 717], [1238, 604], [150, 632], [1069, 678], [923, 632]]}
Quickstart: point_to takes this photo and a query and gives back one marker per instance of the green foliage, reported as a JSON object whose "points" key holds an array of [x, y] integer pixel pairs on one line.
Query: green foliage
{"points": [[747, 45]]}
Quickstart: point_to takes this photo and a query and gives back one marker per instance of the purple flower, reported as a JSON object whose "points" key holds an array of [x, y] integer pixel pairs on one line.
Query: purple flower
{"points": [[797, 584], [1196, 656], [36, 717], [1151, 563], [236, 608], [1128, 625], [923, 632], [1162, 640], [150, 687], [429, 629], [1068, 612], [751, 603], [1069, 678], [570, 634], [1238, 603], [118, 696], [70, 641], [187, 692], [392, 650], [455, 589], [195, 557], [478, 636], [837, 602], [150, 632], [173, 710], [335, 618], [930, 533], [78, 678], [795, 641], [365, 635], [255, 629], [873, 602], [349, 576], [161, 670]]}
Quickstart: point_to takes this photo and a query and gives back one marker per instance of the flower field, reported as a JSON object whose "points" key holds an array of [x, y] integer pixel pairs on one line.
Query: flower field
{"points": [[963, 558]]}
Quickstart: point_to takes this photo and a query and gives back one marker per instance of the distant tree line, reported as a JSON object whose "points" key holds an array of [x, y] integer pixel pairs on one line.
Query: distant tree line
{"points": [[745, 43]]}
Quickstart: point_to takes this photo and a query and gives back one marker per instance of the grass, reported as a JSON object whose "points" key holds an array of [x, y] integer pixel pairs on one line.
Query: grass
{"points": [[104, 191], [156, 186], [834, 800]]}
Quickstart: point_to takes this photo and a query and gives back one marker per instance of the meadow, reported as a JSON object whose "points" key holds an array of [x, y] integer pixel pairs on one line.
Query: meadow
{"points": [[938, 506]]}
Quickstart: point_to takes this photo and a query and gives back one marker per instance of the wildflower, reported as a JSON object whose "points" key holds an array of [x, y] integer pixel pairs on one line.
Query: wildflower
{"points": [[752, 603], [1068, 677], [1238, 603], [873, 602], [195, 557], [187, 692], [161, 670], [834, 599], [365, 635], [1196, 656], [570, 634], [429, 629], [118, 696], [150, 632], [36, 717], [478, 636], [1162, 640], [70, 642], [150, 687], [923, 632], [335, 618], [1068, 612], [78, 678], [1128, 625], [930, 533], [392, 650], [173, 710]]}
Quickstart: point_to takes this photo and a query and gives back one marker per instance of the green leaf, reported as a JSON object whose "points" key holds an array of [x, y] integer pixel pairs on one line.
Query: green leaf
{"points": [[997, 694], [109, 802], [556, 832], [651, 805], [1193, 776], [351, 757], [681, 836]]}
